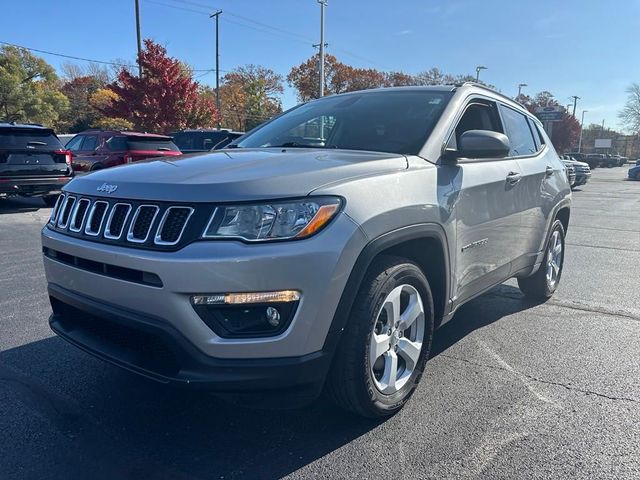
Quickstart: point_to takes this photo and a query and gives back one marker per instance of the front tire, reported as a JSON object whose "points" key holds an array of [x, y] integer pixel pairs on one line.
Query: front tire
{"points": [[385, 346], [542, 284]]}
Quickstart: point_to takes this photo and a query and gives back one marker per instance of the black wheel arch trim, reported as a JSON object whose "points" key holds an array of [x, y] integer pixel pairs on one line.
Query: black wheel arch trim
{"points": [[364, 260]]}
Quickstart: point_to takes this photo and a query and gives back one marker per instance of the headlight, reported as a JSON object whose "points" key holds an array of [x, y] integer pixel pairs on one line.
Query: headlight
{"points": [[272, 221]]}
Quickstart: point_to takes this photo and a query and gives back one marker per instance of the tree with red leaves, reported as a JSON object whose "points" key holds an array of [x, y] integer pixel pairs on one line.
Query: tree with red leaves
{"points": [[565, 132], [164, 99]]}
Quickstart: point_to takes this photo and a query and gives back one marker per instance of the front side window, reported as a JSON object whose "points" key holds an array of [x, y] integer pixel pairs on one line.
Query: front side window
{"points": [[517, 129], [74, 143], [384, 121]]}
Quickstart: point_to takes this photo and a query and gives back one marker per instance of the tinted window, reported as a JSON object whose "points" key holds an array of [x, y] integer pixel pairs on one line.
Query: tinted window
{"points": [[28, 139], [537, 134], [517, 129], [90, 142], [151, 143], [477, 116], [117, 144], [74, 143], [384, 121], [198, 140]]}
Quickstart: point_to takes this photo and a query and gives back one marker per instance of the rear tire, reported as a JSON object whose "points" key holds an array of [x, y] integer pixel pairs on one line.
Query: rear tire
{"points": [[385, 345], [542, 284]]}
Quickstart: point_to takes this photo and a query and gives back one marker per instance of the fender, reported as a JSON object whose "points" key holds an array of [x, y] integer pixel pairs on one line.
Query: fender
{"points": [[370, 251]]}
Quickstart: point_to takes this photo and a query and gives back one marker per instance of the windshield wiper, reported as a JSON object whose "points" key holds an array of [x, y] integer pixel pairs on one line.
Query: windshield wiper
{"points": [[36, 143], [303, 145]]}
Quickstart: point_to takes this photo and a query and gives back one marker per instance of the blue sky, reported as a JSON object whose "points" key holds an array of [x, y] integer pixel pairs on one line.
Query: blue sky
{"points": [[586, 48]]}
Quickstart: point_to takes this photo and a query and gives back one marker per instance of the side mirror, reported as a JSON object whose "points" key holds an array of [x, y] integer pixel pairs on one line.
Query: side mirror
{"points": [[483, 144]]}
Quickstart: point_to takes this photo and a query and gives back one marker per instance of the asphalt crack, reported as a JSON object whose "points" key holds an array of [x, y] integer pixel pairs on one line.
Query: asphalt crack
{"points": [[546, 382]]}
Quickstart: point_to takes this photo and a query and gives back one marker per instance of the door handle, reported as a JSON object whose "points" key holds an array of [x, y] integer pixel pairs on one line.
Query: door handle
{"points": [[549, 171], [513, 178]]}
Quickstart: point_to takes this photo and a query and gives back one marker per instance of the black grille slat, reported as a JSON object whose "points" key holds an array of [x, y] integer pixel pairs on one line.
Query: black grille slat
{"points": [[141, 223], [173, 225], [78, 217], [67, 206], [117, 220], [100, 208]]}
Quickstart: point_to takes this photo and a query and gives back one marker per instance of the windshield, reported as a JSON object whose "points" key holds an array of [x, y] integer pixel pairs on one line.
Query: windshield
{"points": [[385, 121]]}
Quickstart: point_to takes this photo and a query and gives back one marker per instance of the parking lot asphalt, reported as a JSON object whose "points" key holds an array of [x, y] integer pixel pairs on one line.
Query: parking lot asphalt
{"points": [[513, 389]]}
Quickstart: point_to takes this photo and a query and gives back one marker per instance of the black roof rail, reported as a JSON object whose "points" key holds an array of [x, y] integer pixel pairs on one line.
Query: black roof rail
{"points": [[489, 89]]}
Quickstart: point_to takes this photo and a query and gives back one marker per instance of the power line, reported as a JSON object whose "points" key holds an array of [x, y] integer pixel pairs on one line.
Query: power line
{"points": [[72, 57]]}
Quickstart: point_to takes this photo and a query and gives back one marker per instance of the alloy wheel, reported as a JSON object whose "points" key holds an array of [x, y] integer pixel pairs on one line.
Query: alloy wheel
{"points": [[554, 259], [396, 341]]}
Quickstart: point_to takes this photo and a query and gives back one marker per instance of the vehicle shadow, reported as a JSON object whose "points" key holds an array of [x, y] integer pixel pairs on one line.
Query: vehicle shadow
{"points": [[105, 423], [20, 204]]}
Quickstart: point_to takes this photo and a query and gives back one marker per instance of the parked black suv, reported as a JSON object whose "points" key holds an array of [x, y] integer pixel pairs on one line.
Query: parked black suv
{"points": [[204, 140], [33, 162]]}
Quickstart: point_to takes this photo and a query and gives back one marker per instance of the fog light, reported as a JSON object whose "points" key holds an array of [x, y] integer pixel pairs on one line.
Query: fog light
{"points": [[273, 316], [257, 314]]}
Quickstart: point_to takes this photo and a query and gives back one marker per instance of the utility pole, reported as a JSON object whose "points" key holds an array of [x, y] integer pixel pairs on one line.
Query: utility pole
{"points": [[575, 102], [581, 127], [138, 35], [478, 68], [323, 3], [216, 15], [520, 85]]}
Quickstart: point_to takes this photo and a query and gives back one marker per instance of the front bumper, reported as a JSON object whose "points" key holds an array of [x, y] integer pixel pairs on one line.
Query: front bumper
{"points": [[152, 347], [318, 267], [32, 186]]}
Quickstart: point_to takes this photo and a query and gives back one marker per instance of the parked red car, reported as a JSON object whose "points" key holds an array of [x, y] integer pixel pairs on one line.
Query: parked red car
{"points": [[96, 149]]}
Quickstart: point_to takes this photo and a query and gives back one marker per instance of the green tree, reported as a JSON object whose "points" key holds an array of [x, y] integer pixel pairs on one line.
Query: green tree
{"points": [[249, 96], [29, 88]]}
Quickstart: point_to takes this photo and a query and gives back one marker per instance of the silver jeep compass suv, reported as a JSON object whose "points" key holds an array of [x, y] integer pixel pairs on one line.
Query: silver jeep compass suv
{"points": [[320, 250]]}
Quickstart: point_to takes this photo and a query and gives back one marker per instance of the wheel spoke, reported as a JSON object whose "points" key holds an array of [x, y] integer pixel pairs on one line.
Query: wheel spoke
{"points": [[412, 312], [390, 374], [556, 268], [392, 306], [557, 249], [379, 345], [410, 351]]}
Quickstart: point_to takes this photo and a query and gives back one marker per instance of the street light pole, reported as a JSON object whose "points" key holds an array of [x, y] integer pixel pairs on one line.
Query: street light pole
{"points": [[138, 36], [478, 68], [581, 126], [323, 3], [575, 102], [216, 15], [520, 85]]}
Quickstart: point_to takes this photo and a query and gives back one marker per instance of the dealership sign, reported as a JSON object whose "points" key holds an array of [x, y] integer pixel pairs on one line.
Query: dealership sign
{"points": [[602, 143], [550, 114]]}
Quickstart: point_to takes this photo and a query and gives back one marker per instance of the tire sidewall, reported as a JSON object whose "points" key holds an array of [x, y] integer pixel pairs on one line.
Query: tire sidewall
{"points": [[410, 274]]}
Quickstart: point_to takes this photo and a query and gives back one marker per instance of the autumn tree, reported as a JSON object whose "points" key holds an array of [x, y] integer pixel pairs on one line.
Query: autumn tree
{"points": [[29, 88], [81, 114], [630, 114], [250, 95], [164, 99], [565, 133]]}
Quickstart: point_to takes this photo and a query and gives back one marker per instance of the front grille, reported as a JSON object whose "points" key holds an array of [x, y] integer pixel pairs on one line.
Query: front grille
{"points": [[132, 223]]}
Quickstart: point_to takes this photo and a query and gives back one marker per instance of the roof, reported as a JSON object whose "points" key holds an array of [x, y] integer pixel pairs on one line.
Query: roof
{"points": [[125, 132], [35, 126]]}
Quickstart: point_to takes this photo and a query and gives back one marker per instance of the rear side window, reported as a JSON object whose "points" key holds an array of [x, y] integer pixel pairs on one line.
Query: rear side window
{"points": [[517, 129], [117, 144], [29, 139], [151, 143]]}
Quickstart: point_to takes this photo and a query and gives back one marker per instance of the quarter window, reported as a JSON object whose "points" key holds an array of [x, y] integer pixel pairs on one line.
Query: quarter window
{"points": [[518, 131]]}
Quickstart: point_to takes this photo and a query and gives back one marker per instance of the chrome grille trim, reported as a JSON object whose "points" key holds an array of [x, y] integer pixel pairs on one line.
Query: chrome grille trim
{"points": [[56, 207], [158, 237], [69, 199], [107, 228], [74, 215], [87, 228], [130, 236]]}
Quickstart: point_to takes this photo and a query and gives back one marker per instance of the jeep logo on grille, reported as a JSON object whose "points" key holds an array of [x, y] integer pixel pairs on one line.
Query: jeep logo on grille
{"points": [[106, 188]]}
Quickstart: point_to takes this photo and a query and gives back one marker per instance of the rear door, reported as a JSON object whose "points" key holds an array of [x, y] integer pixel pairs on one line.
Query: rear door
{"points": [[488, 223], [84, 149], [31, 152]]}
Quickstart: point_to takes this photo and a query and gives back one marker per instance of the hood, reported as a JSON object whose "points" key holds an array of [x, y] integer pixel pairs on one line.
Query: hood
{"points": [[235, 175]]}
